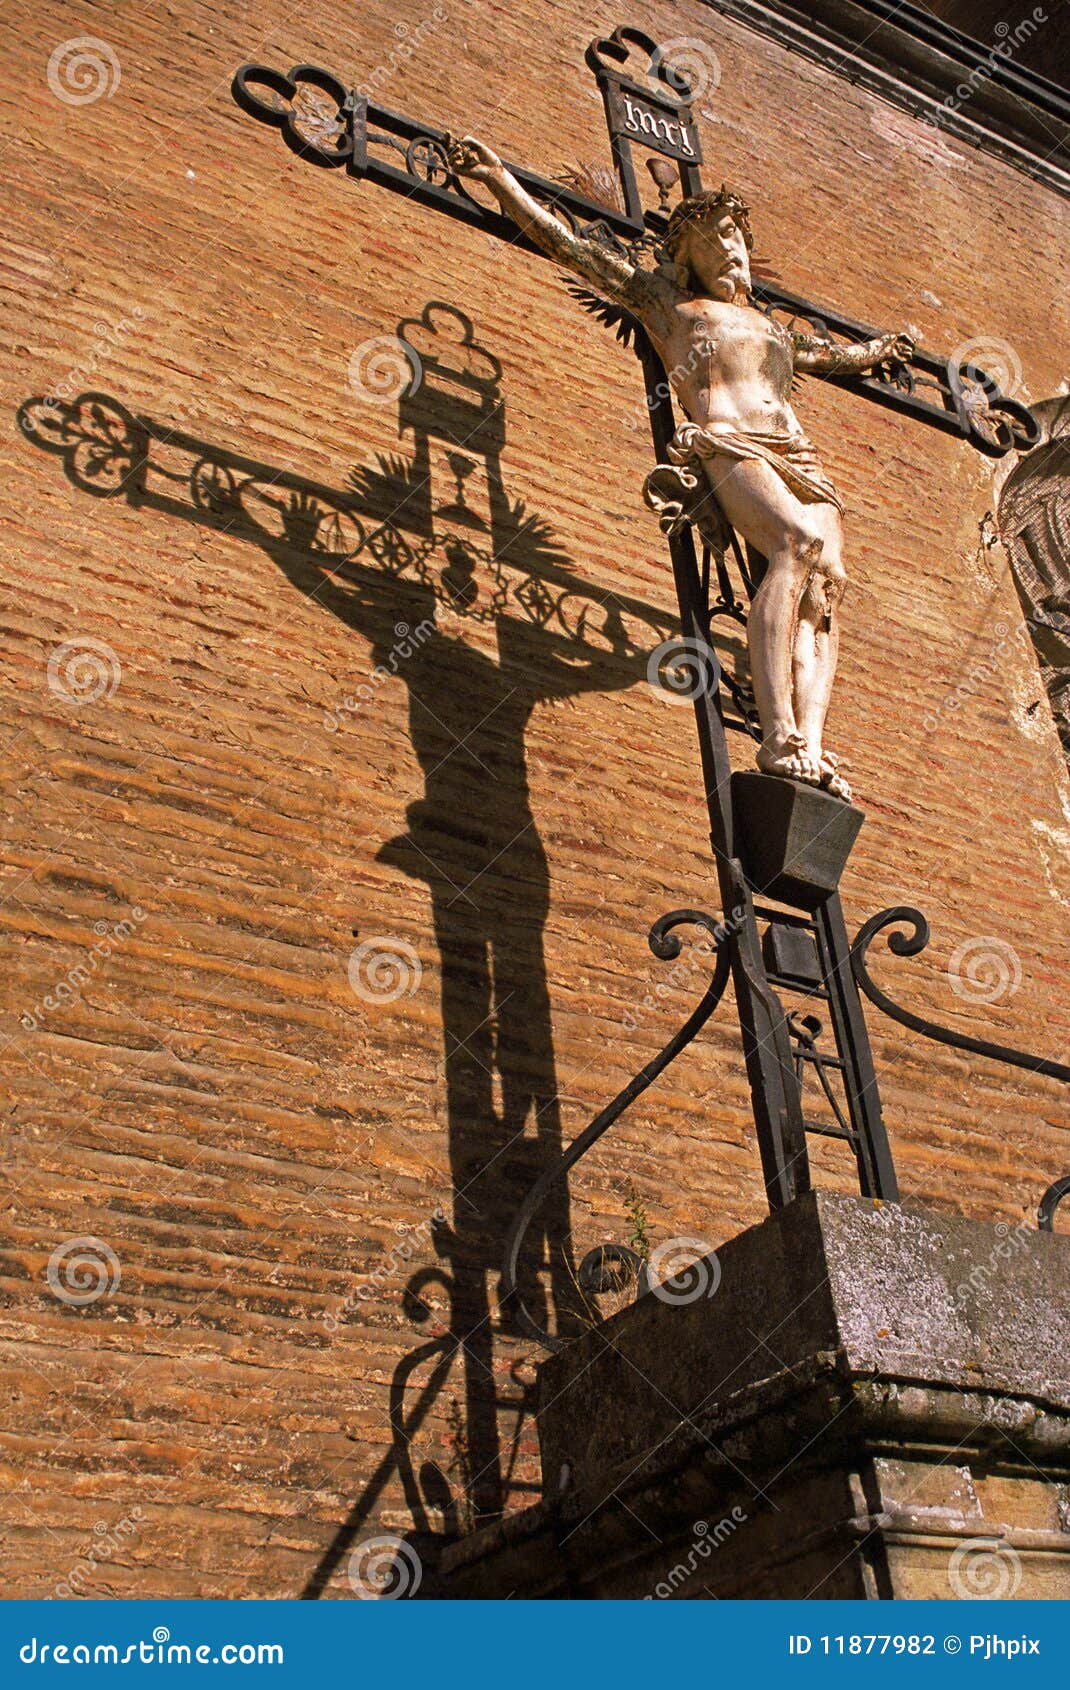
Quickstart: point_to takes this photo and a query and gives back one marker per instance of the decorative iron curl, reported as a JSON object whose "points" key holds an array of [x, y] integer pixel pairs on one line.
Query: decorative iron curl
{"points": [[666, 945], [617, 49], [248, 78], [909, 944], [994, 422], [593, 1268], [607, 1266], [1050, 1202], [427, 158]]}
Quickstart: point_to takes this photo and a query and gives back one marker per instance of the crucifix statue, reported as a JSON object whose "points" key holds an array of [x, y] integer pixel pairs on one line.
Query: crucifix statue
{"points": [[731, 366], [682, 288]]}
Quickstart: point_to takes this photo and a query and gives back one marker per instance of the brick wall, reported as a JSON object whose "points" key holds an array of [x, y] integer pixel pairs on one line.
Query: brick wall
{"points": [[208, 817]]}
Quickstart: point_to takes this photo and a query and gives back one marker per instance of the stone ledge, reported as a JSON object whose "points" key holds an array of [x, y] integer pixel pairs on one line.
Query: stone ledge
{"points": [[725, 1463], [898, 1294], [912, 1409]]}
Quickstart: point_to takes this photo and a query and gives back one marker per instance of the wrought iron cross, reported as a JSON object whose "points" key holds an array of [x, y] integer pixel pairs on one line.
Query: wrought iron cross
{"points": [[781, 934]]}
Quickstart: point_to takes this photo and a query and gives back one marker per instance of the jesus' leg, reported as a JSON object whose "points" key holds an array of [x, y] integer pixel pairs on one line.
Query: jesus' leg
{"points": [[772, 638], [792, 538], [817, 646]]}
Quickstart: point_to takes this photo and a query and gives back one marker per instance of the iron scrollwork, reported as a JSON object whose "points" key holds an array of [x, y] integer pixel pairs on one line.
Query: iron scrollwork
{"points": [[598, 1271], [956, 398], [1050, 1202], [306, 122], [910, 944], [806, 1031], [610, 57]]}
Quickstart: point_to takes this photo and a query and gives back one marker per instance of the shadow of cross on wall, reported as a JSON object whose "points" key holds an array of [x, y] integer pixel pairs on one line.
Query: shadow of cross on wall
{"points": [[429, 554]]}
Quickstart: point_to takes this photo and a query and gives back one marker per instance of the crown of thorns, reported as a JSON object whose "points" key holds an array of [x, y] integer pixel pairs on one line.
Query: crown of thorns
{"points": [[705, 208]]}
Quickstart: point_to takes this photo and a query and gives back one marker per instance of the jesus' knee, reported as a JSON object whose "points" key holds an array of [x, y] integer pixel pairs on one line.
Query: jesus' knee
{"points": [[800, 549], [832, 580], [823, 594]]}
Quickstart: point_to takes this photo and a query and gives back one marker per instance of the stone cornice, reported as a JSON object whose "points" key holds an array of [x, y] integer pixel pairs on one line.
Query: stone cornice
{"points": [[918, 64]]}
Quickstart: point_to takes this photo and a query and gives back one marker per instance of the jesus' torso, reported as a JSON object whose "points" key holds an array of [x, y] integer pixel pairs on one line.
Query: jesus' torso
{"points": [[730, 365]]}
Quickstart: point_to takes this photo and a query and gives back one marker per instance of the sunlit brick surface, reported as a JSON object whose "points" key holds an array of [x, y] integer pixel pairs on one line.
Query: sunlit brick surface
{"points": [[207, 817]]}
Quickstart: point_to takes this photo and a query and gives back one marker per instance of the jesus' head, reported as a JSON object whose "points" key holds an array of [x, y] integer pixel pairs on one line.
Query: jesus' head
{"points": [[709, 241]]}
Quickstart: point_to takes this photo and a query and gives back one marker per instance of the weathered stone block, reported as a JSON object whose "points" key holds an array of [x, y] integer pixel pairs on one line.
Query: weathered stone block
{"points": [[807, 1408]]}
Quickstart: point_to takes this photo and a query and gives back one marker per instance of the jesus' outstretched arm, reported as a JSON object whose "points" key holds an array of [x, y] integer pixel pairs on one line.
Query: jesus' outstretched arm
{"points": [[824, 357], [596, 263]]}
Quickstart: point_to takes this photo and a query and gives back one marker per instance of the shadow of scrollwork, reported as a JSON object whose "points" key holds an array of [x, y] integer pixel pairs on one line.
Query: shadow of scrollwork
{"points": [[429, 538]]}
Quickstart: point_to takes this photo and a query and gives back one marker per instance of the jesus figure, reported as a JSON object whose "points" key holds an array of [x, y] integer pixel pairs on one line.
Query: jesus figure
{"points": [[731, 367]]}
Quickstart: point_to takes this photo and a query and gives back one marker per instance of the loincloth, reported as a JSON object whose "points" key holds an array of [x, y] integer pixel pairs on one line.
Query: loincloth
{"points": [[679, 491]]}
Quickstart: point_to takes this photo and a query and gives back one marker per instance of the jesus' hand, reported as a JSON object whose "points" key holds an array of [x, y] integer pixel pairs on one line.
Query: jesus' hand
{"points": [[472, 158], [898, 343]]}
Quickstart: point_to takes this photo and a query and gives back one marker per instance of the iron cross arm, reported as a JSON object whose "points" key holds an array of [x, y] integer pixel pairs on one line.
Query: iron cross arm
{"points": [[335, 127]]}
